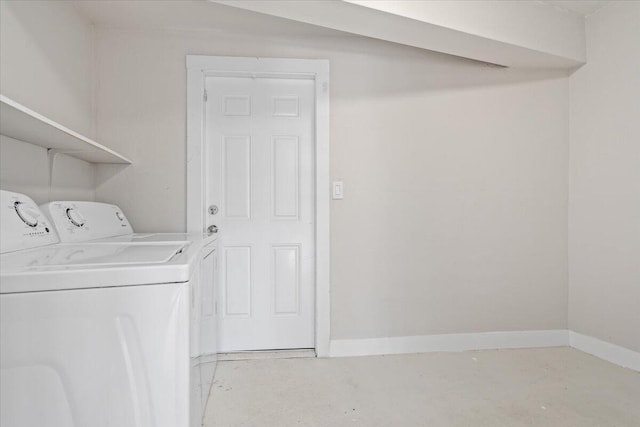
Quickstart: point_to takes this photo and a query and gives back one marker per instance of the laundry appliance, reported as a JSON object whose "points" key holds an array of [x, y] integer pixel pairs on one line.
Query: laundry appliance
{"points": [[94, 334], [91, 223]]}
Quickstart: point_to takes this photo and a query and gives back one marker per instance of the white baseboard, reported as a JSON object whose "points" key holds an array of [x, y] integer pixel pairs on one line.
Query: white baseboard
{"points": [[449, 342], [266, 354], [486, 341], [605, 350]]}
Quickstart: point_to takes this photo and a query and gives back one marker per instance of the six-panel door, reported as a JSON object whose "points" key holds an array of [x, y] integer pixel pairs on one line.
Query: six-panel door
{"points": [[260, 157]]}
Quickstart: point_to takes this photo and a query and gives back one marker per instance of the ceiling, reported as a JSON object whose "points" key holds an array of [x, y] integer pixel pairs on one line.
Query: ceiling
{"points": [[582, 7], [204, 15], [193, 15], [207, 15]]}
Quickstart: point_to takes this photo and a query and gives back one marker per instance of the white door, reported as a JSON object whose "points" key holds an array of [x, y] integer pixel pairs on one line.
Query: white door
{"points": [[260, 155]]}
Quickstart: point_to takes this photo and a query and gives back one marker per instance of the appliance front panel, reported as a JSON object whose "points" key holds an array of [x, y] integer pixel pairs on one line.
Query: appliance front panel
{"points": [[113, 357]]}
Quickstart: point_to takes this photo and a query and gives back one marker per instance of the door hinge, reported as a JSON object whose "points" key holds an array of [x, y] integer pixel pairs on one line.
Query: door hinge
{"points": [[204, 96]]}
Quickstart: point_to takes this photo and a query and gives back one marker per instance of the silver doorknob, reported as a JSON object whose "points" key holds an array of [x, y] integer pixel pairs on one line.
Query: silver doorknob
{"points": [[212, 229]]}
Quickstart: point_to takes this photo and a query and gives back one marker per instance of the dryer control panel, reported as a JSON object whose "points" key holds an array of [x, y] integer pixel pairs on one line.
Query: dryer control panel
{"points": [[77, 221], [23, 225]]}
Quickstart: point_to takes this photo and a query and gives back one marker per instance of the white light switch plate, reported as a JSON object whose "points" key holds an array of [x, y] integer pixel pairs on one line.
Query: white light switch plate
{"points": [[338, 190]]}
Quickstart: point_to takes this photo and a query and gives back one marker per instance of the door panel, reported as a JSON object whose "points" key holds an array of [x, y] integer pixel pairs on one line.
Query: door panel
{"points": [[286, 176], [260, 154], [237, 176], [286, 268], [237, 281]]}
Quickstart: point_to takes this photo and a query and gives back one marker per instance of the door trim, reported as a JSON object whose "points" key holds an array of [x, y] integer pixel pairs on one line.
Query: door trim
{"points": [[201, 66]]}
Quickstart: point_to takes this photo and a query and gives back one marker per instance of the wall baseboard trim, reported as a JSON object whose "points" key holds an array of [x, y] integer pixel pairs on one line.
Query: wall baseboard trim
{"points": [[605, 350], [487, 341], [449, 343]]}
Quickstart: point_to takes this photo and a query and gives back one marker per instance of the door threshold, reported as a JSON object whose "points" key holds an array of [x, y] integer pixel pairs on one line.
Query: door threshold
{"points": [[267, 354]]}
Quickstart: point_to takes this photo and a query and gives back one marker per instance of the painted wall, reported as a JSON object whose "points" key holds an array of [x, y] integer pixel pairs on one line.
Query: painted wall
{"points": [[456, 186], [46, 63], [454, 218], [604, 213], [47, 60], [24, 168]]}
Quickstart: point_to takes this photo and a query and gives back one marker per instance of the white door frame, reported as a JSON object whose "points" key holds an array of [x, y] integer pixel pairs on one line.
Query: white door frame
{"points": [[198, 68]]}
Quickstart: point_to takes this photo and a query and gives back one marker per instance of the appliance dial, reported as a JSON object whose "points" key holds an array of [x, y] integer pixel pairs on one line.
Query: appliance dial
{"points": [[75, 217], [27, 214]]}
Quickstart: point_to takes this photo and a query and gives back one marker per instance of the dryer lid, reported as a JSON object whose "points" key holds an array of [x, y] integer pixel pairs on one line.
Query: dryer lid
{"points": [[107, 255]]}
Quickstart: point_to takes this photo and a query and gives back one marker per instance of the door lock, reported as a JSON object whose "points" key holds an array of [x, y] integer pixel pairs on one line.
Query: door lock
{"points": [[213, 209]]}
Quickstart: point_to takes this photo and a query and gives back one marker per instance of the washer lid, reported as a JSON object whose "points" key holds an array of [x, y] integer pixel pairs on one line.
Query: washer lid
{"points": [[158, 238], [67, 257]]}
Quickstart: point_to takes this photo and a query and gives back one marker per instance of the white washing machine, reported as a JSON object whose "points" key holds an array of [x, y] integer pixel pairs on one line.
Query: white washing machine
{"points": [[93, 334], [92, 223]]}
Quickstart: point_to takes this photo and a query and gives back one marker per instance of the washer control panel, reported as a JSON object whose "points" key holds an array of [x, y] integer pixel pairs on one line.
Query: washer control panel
{"points": [[23, 225], [77, 221]]}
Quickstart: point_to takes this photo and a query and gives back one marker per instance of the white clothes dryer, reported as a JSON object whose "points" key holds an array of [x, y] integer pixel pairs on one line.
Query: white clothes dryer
{"points": [[94, 223]]}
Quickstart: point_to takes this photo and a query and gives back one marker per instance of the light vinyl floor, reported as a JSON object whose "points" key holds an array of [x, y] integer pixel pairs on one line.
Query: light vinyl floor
{"points": [[530, 387]]}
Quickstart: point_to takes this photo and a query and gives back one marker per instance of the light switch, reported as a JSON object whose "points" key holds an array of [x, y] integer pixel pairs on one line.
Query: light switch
{"points": [[338, 190]]}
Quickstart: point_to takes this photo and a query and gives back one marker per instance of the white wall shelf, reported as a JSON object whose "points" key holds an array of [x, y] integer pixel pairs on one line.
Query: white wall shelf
{"points": [[21, 123]]}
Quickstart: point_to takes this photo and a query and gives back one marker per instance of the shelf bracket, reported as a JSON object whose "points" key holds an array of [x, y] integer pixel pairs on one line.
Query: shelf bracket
{"points": [[52, 153]]}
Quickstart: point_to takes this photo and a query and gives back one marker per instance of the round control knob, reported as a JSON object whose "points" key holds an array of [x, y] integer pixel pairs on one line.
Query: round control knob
{"points": [[27, 214], [75, 217]]}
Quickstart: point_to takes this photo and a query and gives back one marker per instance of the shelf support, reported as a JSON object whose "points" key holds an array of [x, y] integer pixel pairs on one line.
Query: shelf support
{"points": [[52, 153]]}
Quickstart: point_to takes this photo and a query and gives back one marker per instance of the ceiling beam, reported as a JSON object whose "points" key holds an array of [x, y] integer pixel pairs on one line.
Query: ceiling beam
{"points": [[526, 34]]}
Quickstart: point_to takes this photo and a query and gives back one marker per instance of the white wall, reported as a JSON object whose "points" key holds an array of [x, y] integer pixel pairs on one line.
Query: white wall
{"points": [[456, 175], [46, 63], [24, 168], [47, 60], [456, 184], [604, 214]]}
